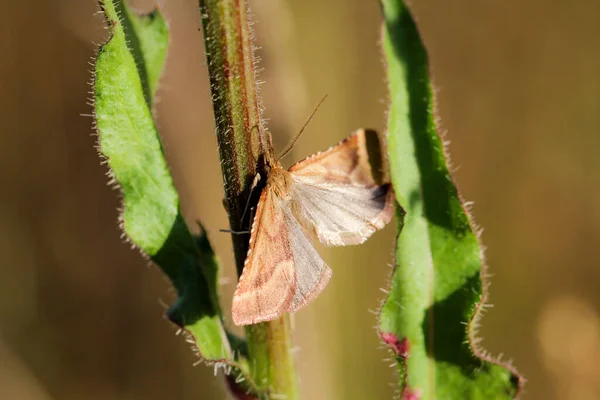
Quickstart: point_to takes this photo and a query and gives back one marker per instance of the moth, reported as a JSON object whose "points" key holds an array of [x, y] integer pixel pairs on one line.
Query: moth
{"points": [[331, 194]]}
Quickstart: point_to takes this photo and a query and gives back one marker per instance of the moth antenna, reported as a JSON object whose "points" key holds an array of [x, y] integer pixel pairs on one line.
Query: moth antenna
{"points": [[291, 144]]}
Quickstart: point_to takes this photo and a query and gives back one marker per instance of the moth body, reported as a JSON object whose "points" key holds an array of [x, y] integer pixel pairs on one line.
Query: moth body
{"points": [[279, 181], [331, 194]]}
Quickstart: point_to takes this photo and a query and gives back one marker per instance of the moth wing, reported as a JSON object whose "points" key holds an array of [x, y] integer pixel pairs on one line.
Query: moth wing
{"points": [[343, 214], [337, 194], [346, 163], [268, 282], [312, 274]]}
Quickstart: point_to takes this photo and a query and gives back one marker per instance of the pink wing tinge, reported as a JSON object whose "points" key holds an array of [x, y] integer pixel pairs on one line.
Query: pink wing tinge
{"points": [[283, 271], [267, 285]]}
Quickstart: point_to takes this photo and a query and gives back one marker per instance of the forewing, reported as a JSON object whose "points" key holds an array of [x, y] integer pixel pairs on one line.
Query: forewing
{"points": [[268, 283], [312, 274], [336, 193], [346, 163]]}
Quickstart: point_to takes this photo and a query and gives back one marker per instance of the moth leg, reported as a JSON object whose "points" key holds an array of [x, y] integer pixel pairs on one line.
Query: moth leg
{"points": [[234, 232], [226, 206], [225, 202], [252, 187], [252, 214]]}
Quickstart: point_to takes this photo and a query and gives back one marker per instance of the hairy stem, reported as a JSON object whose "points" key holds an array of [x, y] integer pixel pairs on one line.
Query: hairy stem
{"points": [[244, 145]]}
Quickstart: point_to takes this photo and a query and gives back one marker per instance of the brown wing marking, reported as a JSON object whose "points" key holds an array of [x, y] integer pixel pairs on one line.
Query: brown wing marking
{"points": [[345, 163], [267, 285]]}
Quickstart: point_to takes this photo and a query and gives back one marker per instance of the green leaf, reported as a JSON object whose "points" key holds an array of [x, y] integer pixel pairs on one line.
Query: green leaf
{"points": [[148, 38], [126, 75], [430, 317]]}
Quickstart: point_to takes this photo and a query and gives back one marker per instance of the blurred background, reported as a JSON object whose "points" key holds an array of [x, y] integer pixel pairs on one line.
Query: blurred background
{"points": [[81, 315]]}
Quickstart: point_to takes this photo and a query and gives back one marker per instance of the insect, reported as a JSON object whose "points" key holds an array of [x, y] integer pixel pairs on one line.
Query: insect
{"points": [[331, 194]]}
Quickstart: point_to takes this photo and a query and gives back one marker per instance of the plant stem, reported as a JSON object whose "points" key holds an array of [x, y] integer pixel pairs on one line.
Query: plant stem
{"points": [[244, 145]]}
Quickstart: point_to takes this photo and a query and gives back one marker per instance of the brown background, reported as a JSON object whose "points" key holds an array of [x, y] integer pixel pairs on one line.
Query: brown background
{"points": [[519, 98]]}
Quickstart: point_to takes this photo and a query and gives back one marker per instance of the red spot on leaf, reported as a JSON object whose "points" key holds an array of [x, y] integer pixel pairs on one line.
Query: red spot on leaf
{"points": [[400, 347], [409, 394]]}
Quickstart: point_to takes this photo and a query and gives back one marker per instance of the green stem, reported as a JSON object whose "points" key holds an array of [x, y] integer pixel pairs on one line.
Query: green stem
{"points": [[244, 145]]}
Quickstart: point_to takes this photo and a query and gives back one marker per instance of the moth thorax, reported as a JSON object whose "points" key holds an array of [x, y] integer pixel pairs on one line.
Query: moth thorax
{"points": [[280, 181]]}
